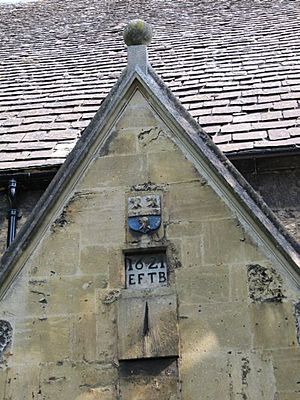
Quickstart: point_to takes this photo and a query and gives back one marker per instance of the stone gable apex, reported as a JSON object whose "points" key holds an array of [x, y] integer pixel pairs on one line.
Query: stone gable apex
{"points": [[252, 212]]}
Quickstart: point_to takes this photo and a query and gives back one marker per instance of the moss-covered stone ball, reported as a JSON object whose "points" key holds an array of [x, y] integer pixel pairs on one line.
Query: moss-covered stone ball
{"points": [[137, 32]]}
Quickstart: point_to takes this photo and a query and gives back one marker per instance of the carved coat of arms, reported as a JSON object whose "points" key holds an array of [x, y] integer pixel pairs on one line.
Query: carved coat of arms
{"points": [[144, 213]]}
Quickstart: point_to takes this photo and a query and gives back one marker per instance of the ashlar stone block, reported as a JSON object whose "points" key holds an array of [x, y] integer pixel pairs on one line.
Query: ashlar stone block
{"points": [[106, 324], [137, 114], [84, 337], [201, 284], [3, 378], [214, 327], [223, 242], [286, 369], [42, 340], [204, 376], [238, 283], [58, 253], [105, 261], [252, 377], [122, 141], [273, 325], [22, 382], [78, 380], [192, 201], [63, 295], [170, 166], [112, 171]]}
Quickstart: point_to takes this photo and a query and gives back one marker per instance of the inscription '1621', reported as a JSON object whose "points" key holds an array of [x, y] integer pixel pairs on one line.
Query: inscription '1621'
{"points": [[146, 271]]}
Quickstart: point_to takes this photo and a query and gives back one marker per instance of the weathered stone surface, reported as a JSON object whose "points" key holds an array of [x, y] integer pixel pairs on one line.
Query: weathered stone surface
{"points": [[42, 340], [138, 114], [106, 393], [288, 396], [251, 376], [201, 284], [286, 369], [111, 171], [104, 261], [3, 379], [204, 376], [192, 201], [219, 246], [78, 380], [123, 141], [84, 337], [63, 295], [273, 325], [238, 283], [22, 382], [59, 254], [106, 324], [214, 327], [169, 167]]}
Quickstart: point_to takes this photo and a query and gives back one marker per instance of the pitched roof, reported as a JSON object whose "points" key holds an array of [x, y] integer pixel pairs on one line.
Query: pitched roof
{"points": [[233, 64], [252, 212]]}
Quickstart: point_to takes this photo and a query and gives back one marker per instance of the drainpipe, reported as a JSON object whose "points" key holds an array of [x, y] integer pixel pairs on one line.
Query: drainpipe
{"points": [[13, 211]]}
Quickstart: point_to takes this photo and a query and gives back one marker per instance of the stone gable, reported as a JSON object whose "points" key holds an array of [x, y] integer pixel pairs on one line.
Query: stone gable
{"points": [[79, 333]]}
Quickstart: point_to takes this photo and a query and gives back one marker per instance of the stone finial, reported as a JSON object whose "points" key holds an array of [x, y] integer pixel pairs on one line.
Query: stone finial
{"points": [[137, 32]]}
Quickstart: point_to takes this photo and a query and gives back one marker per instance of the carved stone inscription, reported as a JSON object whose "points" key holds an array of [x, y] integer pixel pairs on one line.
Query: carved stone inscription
{"points": [[145, 271]]}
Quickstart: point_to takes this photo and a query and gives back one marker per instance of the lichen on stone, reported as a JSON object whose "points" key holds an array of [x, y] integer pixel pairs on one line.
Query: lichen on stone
{"points": [[137, 32], [265, 284]]}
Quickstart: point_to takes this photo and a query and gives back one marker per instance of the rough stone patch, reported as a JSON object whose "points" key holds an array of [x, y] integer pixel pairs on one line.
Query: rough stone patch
{"points": [[297, 315], [265, 285], [5, 336]]}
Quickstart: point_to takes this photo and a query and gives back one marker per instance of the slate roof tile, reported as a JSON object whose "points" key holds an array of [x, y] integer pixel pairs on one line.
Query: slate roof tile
{"points": [[292, 113], [236, 69], [249, 136], [277, 134], [294, 131]]}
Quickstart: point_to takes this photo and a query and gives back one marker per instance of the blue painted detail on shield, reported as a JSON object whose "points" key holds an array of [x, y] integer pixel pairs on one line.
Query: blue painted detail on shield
{"points": [[144, 224]]}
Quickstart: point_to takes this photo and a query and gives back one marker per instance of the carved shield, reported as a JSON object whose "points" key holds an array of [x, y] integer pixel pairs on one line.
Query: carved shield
{"points": [[144, 213]]}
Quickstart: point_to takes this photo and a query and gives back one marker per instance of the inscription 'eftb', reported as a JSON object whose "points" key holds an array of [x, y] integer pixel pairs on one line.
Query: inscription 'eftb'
{"points": [[146, 271]]}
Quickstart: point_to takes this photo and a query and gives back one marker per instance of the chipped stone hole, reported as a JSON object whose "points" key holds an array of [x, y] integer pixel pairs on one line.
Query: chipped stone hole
{"points": [[265, 284], [61, 221], [65, 216], [5, 336], [42, 297], [148, 186], [150, 135]]}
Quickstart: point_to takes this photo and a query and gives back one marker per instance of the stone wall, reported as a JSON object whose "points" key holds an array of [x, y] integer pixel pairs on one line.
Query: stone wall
{"points": [[277, 179], [224, 328], [30, 187]]}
